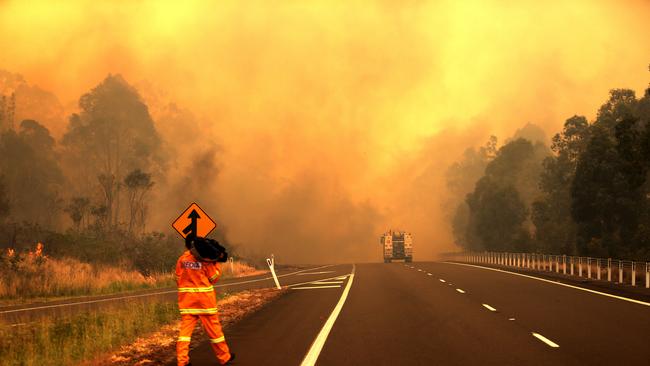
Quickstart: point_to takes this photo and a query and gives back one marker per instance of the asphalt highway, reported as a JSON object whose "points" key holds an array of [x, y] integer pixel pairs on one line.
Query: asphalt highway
{"points": [[439, 314]]}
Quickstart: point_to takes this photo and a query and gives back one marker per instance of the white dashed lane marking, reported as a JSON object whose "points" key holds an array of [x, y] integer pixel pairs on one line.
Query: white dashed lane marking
{"points": [[461, 291], [441, 280], [489, 307], [548, 342]]}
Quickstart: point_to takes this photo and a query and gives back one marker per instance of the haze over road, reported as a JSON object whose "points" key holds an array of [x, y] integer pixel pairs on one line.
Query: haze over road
{"points": [[441, 314]]}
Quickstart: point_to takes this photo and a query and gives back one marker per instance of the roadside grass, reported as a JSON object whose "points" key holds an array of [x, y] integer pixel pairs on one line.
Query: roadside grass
{"points": [[71, 340], [36, 276], [88, 337], [239, 269]]}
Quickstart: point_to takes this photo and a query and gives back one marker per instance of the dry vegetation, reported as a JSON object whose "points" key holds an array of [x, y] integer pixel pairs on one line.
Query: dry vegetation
{"points": [[142, 333], [70, 340], [34, 275], [240, 269]]}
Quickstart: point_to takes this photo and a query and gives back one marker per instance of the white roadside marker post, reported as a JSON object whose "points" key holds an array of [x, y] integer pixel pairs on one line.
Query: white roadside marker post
{"points": [[633, 273], [271, 263], [620, 271], [579, 266], [647, 275], [232, 267], [609, 269]]}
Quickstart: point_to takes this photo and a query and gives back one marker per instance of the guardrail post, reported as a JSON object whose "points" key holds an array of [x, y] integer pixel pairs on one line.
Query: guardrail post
{"points": [[633, 273], [620, 271], [557, 264], [647, 275], [516, 259], [598, 268], [564, 264], [579, 266], [609, 269], [571, 261], [588, 267]]}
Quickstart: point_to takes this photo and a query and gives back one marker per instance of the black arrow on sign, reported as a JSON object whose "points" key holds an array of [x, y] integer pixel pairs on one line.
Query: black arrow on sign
{"points": [[191, 230]]}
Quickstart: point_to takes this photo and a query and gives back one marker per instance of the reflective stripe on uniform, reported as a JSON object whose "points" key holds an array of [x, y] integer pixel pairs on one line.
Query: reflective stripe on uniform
{"points": [[184, 339], [196, 289], [218, 340], [199, 311], [215, 276]]}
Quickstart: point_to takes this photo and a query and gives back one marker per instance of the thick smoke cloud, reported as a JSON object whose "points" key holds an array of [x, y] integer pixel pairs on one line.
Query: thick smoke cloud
{"points": [[310, 128]]}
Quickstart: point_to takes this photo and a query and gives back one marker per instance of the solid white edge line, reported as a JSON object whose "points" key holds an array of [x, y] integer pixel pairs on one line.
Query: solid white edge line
{"points": [[556, 283], [149, 294], [310, 282], [461, 291], [317, 346], [314, 273], [327, 282], [314, 287], [489, 307], [545, 340]]}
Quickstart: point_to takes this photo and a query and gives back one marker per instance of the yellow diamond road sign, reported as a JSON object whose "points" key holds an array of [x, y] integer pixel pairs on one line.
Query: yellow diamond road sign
{"points": [[194, 221]]}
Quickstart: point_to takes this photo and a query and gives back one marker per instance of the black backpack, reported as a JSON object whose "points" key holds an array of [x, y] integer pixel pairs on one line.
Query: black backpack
{"points": [[206, 249]]}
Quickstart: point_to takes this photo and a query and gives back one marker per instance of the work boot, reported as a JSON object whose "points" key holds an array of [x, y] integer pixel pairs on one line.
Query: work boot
{"points": [[232, 358]]}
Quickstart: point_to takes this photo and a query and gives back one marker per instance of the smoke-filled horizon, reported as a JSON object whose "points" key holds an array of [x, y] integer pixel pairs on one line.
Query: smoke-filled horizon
{"points": [[307, 129]]}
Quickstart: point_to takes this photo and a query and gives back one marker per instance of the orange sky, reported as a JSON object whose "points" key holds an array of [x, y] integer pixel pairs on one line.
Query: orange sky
{"points": [[336, 119]]}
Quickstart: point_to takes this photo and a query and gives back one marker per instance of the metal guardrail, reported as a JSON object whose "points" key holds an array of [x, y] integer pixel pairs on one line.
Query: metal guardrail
{"points": [[606, 269]]}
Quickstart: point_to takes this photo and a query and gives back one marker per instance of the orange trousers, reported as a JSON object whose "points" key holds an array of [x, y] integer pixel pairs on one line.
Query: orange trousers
{"points": [[212, 327]]}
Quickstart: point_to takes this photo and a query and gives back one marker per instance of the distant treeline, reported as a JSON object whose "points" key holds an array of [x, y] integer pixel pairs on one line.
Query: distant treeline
{"points": [[86, 194], [589, 194]]}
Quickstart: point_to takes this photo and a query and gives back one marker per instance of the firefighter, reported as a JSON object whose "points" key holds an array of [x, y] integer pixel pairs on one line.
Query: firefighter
{"points": [[197, 301]]}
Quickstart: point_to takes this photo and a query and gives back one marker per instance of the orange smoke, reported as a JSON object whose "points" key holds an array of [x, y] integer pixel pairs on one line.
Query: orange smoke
{"points": [[323, 124]]}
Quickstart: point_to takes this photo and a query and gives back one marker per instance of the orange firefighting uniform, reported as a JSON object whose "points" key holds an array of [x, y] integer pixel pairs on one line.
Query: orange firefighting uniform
{"points": [[197, 300]]}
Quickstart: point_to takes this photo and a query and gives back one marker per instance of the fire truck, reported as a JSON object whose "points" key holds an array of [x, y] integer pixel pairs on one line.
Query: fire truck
{"points": [[398, 245]]}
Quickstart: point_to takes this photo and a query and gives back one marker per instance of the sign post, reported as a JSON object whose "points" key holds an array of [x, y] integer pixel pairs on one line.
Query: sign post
{"points": [[271, 263]]}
